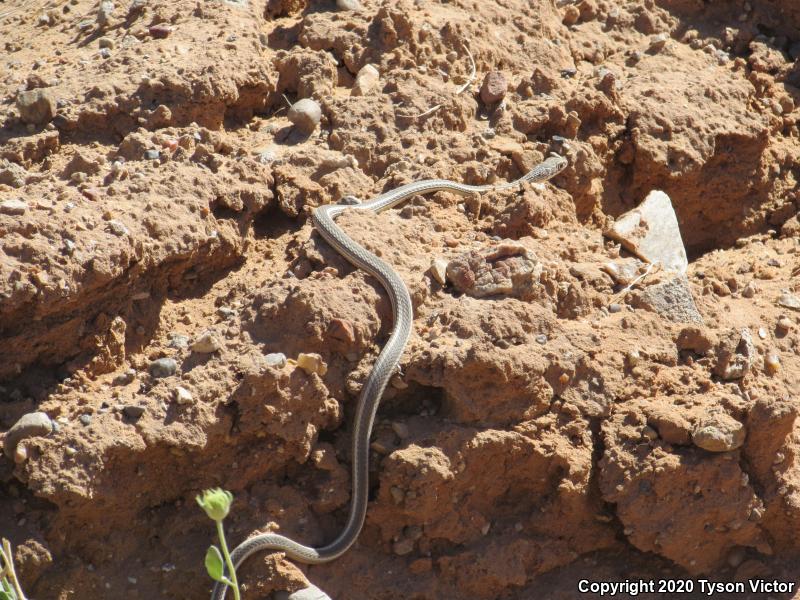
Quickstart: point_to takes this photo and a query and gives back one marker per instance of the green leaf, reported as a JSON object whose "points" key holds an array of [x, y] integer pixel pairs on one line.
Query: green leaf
{"points": [[7, 596], [214, 564]]}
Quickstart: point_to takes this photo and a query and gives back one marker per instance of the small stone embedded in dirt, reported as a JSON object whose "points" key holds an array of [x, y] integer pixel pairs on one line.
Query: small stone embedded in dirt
{"points": [[106, 42], [133, 411], [657, 42], [494, 87], [439, 270], [124, 378], [783, 325], [305, 114], [35, 424], [342, 330], [206, 343], [13, 207], [311, 362], [183, 396], [276, 360], [772, 361], [37, 107], [117, 228], [311, 592], [749, 290], [624, 271], [104, 13], [614, 308], [85, 420], [403, 547], [178, 341], [735, 354], [163, 367], [788, 300], [152, 154], [719, 432], [507, 268], [672, 299], [160, 31], [348, 4], [367, 80]]}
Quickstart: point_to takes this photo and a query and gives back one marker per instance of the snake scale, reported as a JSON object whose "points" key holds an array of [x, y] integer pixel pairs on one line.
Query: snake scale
{"points": [[324, 222]]}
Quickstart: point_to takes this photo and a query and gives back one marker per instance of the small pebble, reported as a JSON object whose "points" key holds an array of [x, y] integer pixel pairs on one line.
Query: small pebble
{"points": [[85, 419], [13, 207], [541, 339], [206, 343], [124, 378], [614, 308], [749, 290], [367, 80], [163, 367], [657, 42], [117, 228], [178, 341], [439, 270], [403, 547], [788, 300], [106, 42], [772, 362], [311, 362], [152, 154], [305, 114], [494, 87], [160, 31], [784, 324], [133, 411], [183, 396], [276, 360], [348, 5]]}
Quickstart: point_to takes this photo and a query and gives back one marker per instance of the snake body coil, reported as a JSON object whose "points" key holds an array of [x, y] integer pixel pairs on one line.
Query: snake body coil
{"points": [[324, 222]]}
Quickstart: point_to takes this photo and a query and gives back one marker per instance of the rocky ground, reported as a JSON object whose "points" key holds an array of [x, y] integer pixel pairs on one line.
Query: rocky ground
{"points": [[156, 256]]}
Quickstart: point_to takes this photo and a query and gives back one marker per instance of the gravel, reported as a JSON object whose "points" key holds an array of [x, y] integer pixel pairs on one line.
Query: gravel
{"points": [[163, 367]]}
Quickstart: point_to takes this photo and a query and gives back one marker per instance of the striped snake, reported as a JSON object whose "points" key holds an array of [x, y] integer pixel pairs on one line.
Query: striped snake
{"points": [[324, 222]]}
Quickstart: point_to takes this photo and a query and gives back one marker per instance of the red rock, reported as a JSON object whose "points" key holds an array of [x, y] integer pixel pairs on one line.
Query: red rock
{"points": [[160, 31], [494, 87]]}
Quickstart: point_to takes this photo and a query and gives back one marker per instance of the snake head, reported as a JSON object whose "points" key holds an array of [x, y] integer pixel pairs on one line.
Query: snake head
{"points": [[350, 201], [556, 162]]}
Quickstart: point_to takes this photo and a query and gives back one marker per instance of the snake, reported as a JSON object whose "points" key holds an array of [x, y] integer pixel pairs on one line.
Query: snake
{"points": [[324, 221]]}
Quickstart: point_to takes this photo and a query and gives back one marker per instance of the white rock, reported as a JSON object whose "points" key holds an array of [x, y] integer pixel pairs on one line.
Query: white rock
{"points": [[13, 207], [348, 5], [276, 359], [366, 80], [206, 343], [183, 396], [35, 424], [439, 270], [312, 592], [651, 232]]}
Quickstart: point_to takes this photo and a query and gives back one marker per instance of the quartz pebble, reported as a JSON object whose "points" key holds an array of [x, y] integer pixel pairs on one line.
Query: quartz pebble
{"points": [[35, 424], [305, 114], [183, 396], [366, 80], [206, 343], [439, 270], [86, 420], [348, 5]]}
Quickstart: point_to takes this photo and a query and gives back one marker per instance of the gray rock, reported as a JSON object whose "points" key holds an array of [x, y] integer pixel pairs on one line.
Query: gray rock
{"points": [[36, 107], [178, 341], [312, 592], [305, 114], [13, 207], [719, 432], [651, 232], [183, 396], [11, 174], [671, 299], [105, 13], [276, 360], [163, 367], [85, 420], [788, 300], [117, 228], [35, 424], [124, 378], [152, 154], [133, 411]]}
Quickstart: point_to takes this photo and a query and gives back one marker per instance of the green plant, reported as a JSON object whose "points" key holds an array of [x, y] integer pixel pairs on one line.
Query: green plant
{"points": [[9, 584], [217, 503]]}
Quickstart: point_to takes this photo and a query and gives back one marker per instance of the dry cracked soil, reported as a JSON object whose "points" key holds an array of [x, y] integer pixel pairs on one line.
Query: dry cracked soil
{"points": [[157, 252]]}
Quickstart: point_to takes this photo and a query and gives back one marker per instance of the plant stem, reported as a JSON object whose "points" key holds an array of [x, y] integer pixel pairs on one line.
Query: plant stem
{"points": [[227, 556], [9, 569]]}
